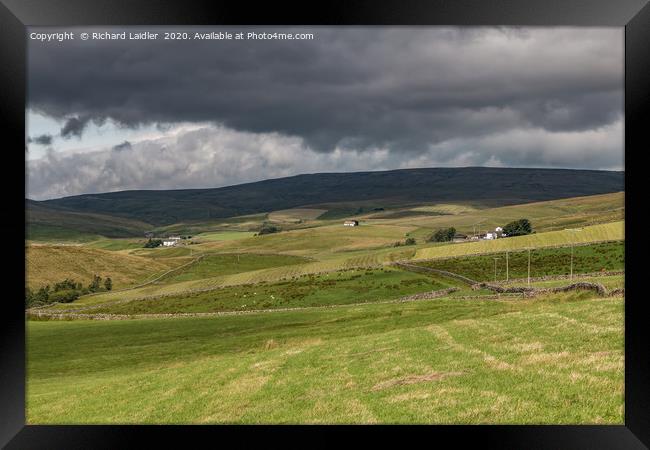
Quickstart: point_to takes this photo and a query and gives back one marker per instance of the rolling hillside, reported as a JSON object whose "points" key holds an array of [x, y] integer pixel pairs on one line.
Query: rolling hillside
{"points": [[488, 186], [46, 223]]}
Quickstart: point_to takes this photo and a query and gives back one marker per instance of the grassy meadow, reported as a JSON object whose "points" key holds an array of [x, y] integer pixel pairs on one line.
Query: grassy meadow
{"points": [[613, 231], [309, 324], [553, 360], [334, 288], [607, 256]]}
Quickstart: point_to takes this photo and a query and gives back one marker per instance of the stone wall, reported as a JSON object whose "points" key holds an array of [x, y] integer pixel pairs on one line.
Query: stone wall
{"points": [[527, 291]]}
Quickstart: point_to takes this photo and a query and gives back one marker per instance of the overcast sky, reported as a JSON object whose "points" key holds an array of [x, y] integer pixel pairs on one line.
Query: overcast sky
{"points": [[134, 114]]}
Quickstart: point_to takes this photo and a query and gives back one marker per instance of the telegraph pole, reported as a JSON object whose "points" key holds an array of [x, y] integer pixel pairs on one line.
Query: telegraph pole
{"points": [[529, 267], [571, 275], [507, 274], [574, 230]]}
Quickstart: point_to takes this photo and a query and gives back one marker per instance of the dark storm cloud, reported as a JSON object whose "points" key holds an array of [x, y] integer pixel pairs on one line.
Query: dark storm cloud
{"points": [[405, 89], [43, 139], [74, 126], [126, 145]]}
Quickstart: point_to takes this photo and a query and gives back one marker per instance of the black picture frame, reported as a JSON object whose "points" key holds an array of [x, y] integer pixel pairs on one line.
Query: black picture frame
{"points": [[15, 15]]}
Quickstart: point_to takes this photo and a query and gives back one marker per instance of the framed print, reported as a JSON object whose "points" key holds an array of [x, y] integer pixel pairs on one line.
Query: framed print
{"points": [[407, 217]]}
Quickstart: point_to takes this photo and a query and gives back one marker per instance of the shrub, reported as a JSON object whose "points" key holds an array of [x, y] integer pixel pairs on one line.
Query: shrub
{"points": [[67, 284], [65, 296], [409, 241], [443, 235], [518, 228], [153, 243], [95, 284], [268, 229]]}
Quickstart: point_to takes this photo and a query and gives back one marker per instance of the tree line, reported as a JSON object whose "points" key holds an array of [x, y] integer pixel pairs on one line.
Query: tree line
{"points": [[65, 291]]}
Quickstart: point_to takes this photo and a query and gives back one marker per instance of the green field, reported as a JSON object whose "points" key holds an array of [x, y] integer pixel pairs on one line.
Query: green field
{"points": [[309, 325], [336, 288], [609, 282], [212, 265], [117, 244], [613, 231], [558, 360], [543, 262], [222, 236]]}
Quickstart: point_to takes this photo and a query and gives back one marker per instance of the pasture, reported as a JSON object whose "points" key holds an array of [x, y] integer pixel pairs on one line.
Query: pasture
{"points": [[607, 256], [335, 288], [557, 360], [613, 231], [309, 325], [214, 265]]}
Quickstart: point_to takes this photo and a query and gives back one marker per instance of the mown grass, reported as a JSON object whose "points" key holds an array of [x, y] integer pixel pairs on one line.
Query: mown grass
{"points": [[320, 242], [613, 231], [336, 288], [552, 360], [117, 244], [213, 265], [222, 236], [543, 262]]}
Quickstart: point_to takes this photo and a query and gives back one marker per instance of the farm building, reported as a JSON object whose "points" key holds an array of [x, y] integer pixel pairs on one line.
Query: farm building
{"points": [[351, 223], [171, 241]]}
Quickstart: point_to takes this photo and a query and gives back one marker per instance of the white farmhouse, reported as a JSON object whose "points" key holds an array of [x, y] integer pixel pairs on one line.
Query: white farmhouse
{"points": [[351, 223], [171, 241]]}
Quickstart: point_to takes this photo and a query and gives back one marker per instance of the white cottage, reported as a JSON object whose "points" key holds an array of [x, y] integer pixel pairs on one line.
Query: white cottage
{"points": [[171, 241]]}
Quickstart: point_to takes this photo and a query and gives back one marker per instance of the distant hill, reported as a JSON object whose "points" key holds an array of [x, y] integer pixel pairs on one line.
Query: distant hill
{"points": [[493, 186], [45, 223]]}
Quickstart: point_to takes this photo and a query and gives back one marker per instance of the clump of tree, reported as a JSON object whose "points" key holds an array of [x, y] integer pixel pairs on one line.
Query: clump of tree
{"points": [[407, 241], [65, 291], [443, 235], [268, 229], [153, 243], [518, 228]]}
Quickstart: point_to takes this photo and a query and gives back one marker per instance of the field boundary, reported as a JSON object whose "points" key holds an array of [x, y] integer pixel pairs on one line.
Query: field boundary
{"points": [[607, 273], [64, 315], [500, 293], [528, 291]]}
